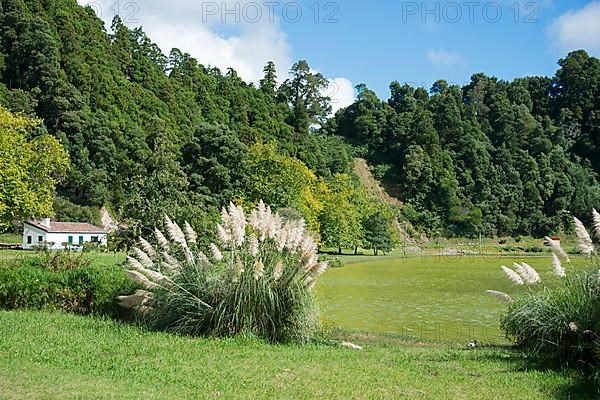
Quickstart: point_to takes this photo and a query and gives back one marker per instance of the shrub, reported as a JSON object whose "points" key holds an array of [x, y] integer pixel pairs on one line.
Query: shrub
{"points": [[334, 262], [563, 322], [56, 261], [84, 290], [258, 281], [518, 239]]}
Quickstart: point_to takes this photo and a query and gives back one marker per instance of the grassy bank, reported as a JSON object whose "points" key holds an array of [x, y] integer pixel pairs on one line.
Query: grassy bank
{"points": [[45, 355]]}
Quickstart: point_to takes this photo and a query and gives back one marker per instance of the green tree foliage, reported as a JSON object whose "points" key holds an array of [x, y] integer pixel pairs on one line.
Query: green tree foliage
{"points": [[378, 230], [283, 182], [148, 133], [341, 218], [31, 163], [304, 93], [493, 157]]}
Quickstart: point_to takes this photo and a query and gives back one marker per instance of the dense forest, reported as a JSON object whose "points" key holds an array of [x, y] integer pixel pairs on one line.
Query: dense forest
{"points": [[148, 134], [494, 157]]}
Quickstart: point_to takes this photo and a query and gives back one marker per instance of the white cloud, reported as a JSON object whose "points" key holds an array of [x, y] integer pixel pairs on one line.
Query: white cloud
{"points": [[342, 93], [442, 57], [578, 29]]}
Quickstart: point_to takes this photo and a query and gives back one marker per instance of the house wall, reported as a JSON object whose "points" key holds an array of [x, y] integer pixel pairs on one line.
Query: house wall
{"points": [[34, 232], [55, 240]]}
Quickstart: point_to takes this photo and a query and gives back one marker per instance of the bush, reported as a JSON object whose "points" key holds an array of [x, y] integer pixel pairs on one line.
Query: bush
{"points": [[259, 282], [83, 290], [56, 261], [533, 249], [334, 262], [562, 322]]}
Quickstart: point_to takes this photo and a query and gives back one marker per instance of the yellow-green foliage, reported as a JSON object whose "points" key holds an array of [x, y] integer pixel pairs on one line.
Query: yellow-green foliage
{"points": [[29, 168], [284, 181]]}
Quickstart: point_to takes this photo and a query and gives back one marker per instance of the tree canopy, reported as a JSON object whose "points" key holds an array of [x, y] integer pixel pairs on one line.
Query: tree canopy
{"points": [[31, 164], [148, 133]]}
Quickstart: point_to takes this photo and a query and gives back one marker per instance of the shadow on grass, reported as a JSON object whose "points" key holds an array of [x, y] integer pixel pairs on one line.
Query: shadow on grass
{"points": [[581, 384]]}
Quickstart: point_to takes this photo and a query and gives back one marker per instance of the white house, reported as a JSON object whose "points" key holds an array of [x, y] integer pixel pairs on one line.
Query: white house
{"points": [[61, 235]]}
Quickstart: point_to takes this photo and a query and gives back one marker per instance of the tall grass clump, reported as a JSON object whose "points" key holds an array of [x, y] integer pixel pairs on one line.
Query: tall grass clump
{"points": [[563, 321], [257, 280]]}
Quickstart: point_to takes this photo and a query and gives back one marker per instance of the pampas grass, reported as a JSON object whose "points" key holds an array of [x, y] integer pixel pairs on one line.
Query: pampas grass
{"points": [[161, 239], [528, 273], [175, 232], [562, 321], [557, 266], [147, 248], [190, 234], [500, 296], [596, 219], [557, 249], [258, 279], [558, 322], [584, 241], [216, 252], [513, 276], [141, 280], [143, 258]]}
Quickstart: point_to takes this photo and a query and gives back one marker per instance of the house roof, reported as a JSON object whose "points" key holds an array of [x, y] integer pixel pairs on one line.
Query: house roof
{"points": [[67, 227]]}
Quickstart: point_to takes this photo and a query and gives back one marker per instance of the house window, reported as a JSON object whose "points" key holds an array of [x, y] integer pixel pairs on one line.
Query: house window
{"points": [[95, 239], [80, 239], [70, 240], [40, 239], [29, 239]]}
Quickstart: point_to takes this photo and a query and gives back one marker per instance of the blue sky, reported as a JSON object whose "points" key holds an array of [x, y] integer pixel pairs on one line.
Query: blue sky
{"points": [[376, 44], [353, 41]]}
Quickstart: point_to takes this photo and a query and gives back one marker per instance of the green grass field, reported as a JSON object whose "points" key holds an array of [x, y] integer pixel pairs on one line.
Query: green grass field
{"points": [[413, 315], [430, 298], [59, 356]]}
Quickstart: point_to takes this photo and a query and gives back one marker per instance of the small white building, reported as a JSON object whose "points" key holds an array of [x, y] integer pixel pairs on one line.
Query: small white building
{"points": [[61, 235]]}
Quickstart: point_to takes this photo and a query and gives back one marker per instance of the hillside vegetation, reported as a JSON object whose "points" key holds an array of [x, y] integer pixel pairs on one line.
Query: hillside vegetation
{"points": [[149, 133]]}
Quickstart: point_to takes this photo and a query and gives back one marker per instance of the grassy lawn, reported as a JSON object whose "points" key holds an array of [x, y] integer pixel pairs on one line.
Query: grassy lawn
{"points": [[11, 256], [10, 238], [44, 355]]}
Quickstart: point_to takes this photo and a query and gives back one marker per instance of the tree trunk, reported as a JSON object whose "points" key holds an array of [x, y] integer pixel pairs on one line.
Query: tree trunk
{"points": [[355, 250], [340, 251]]}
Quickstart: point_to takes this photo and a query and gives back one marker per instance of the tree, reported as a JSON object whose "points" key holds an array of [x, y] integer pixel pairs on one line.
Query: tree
{"points": [[29, 168], [340, 219], [378, 233], [283, 182], [304, 93], [269, 83]]}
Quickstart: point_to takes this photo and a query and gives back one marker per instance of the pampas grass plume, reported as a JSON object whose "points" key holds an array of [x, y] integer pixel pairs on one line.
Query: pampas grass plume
{"points": [[216, 252], [558, 268], [500, 296], [584, 241], [513, 276]]}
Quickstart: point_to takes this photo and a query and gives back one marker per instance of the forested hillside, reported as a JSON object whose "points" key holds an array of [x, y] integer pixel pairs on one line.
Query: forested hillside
{"points": [[149, 134], [494, 157]]}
